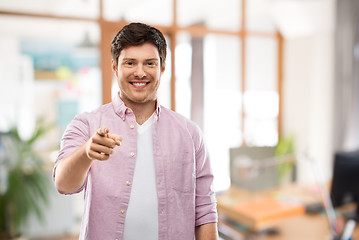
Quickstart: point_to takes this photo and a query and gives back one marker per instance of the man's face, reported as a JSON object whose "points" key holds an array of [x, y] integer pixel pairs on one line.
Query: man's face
{"points": [[138, 73]]}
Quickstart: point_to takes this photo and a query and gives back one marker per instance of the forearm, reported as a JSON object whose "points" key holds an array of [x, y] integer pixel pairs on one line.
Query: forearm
{"points": [[207, 231], [71, 172]]}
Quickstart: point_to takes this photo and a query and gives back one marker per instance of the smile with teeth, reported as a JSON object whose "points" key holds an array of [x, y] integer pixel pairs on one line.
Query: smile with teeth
{"points": [[139, 84]]}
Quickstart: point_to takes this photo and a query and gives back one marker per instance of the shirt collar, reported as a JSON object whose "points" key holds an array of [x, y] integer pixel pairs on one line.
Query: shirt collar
{"points": [[122, 110]]}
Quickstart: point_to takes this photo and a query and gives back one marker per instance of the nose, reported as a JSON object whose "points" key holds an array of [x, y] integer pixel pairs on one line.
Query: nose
{"points": [[139, 72]]}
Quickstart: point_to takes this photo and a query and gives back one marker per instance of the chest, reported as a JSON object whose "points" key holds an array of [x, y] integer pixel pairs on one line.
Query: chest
{"points": [[173, 155]]}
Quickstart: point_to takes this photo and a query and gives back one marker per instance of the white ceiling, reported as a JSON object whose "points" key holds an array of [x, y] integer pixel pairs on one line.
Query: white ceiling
{"points": [[300, 18]]}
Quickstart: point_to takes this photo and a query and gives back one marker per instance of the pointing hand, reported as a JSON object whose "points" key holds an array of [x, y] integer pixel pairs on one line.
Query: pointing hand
{"points": [[101, 145]]}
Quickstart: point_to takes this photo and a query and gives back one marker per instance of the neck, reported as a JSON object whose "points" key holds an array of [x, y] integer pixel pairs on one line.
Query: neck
{"points": [[142, 111]]}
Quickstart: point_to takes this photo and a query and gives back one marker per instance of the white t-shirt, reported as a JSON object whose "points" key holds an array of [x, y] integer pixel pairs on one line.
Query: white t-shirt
{"points": [[142, 213]]}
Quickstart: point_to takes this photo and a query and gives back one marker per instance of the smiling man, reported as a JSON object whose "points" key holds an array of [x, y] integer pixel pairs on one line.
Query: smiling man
{"points": [[144, 169]]}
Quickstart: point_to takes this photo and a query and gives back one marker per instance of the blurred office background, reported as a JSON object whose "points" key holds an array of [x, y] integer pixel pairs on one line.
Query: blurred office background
{"points": [[249, 72]]}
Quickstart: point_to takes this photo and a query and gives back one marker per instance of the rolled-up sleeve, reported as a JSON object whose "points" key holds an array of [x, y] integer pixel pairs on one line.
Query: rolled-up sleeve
{"points": [[206, 203], [75, 135]]}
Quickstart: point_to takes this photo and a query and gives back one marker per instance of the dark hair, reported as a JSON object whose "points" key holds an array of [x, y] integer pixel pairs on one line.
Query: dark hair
{"points": [[135, 34]]}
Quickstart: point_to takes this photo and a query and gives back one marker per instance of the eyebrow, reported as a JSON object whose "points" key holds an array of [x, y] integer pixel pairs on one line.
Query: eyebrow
{"points": [[152, 59], [127, 59], [134, 59]]}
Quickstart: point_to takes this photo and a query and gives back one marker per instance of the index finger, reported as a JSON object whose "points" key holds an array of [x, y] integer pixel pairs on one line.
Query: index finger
{"points": [[103, 131], [116, 138]]}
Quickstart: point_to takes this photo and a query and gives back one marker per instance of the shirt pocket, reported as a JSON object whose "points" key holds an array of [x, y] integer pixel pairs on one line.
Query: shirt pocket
{"points": [[183, 173]]}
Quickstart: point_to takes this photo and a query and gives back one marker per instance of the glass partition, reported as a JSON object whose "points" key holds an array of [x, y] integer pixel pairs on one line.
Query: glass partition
{"points": [[222, 101], [61, 71], [49, 70], [208, 91], [233, 106], [164, 91], [261, 99], [183, 74], [261, 64]]}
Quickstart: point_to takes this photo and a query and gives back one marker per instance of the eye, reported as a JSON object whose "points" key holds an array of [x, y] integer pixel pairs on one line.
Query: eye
{"points": [[128, 62], [151, 64]]}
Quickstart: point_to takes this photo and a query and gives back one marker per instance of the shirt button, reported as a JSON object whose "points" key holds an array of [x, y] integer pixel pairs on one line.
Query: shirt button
{"points": [[129, 111], [128, 183], [132, 154], [132, 127], [122, 211]]}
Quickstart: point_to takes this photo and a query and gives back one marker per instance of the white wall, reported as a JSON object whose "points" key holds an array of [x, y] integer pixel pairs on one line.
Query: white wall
{"points": [[308, 84], [308, 99]]}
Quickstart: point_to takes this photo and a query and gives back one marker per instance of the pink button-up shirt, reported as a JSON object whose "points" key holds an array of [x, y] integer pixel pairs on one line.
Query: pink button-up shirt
{"points": [[183, 174]]}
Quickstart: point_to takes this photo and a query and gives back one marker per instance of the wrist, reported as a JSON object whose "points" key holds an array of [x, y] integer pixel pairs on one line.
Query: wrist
{"points": [[85, 153]]}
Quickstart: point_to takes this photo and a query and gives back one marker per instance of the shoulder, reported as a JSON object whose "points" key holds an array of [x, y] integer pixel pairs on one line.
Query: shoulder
{"points": [[175, 116], [90, 121], [96, 113], [178, 120]]}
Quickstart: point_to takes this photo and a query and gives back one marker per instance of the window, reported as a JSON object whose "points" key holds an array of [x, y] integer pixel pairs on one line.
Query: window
{"points": [[223, 65]]}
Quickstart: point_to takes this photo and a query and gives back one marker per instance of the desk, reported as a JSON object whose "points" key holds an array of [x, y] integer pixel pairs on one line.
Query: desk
{"points": [[296, 227]]}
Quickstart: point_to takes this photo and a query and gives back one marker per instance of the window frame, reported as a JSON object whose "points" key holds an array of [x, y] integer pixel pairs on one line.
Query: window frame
{"points": [[109, 29]]}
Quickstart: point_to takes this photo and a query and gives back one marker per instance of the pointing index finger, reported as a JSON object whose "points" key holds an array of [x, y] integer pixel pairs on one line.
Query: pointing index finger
{"points": [[103, 132], [116, 138]]}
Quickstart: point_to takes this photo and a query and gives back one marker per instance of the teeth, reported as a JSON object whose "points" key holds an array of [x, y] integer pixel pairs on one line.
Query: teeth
{"points": [[139, 84]]}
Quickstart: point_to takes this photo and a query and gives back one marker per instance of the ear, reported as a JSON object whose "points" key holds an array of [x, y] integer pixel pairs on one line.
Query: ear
{"points": [[114, 68], [163, 68]]}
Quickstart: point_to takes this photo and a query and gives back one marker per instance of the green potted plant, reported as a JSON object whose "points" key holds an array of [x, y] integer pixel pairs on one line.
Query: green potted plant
{"points": [[285, 149], [24, 180]]}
